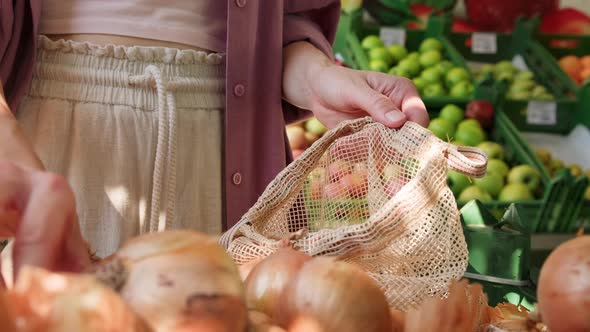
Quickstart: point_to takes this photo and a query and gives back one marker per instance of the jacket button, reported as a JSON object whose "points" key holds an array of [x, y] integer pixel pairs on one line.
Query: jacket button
{"points": [[241, 3], [236, 178], [239, 90]]}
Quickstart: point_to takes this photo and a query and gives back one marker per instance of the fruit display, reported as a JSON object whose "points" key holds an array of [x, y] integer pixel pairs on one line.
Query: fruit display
{"points": [[181, 281], [304, 134], [504, 181], [522, 84], [500, 15], [432, 73], [577, 68]]}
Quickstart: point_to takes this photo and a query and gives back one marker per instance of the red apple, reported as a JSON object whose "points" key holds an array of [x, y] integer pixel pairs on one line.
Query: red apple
{"points": [[296, 136], [565, 21], [311, 137], [337, 169], [482, 111], [500, 15], [335, 191], [355, 184]]}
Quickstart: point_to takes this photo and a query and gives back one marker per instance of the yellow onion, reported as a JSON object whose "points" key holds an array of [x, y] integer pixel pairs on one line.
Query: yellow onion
{"points": [[336, 296], [266, 281], [179, 281], [46, 301], [564, 287]]}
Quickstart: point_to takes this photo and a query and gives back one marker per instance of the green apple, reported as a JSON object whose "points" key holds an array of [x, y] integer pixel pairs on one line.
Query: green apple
{"points": [[444, 66], [515, 192], [458, 143], [411, 65], [498, 166], [413, 55], [378, 65], [487, 69], [371, 41], [469, 123], [430, 58], [555, 165], [398, 52], [524, 85], [442, 128], [575, 170], [544, 96], [380, 53], [492, 183], [587, 194], [456, 75], [453, 113], [474, 192], [315, 127], [505, 66], [520, 95], [538, 90], [457, 182], [525, 174], [462, 89], [588, 174], [433, 90], [430, 44], [524, 75], [505, 76], [492, 149], [544, 156], [431, 75], [420, 83], [398, 71], [471, 135]]}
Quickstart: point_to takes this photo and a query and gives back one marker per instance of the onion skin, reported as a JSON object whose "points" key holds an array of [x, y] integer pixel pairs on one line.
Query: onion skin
{"points": [[339, 296], [564, 287], [60, 302], [269, 278], [182, 280]]}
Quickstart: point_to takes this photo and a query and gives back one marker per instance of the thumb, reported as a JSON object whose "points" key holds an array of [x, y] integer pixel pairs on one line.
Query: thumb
{"points": [[379, 106]]}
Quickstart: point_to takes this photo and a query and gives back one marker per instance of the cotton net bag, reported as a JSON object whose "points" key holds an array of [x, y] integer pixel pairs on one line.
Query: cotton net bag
{"points": [[373, 196]]}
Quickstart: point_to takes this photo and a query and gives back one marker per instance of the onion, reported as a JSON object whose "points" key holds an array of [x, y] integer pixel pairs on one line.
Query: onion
{"points": [[564, 287], [179, 281], [339, 296], [267, 280], [45, 301]]}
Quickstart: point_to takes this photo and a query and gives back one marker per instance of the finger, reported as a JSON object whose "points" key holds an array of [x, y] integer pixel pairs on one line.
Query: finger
{"points": [[406, 95], [47, 219], [379, 106], [13, 194]]}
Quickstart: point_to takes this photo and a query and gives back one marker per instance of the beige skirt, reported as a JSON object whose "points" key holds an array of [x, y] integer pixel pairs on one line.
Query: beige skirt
{"points": [[138, 133]]}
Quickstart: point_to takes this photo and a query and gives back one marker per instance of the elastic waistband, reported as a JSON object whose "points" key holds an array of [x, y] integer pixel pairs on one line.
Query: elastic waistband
{"points": [[124, 75]]}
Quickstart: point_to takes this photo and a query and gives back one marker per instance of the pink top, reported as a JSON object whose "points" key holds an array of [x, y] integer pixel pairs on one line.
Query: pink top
{"points": [[202, 24]]}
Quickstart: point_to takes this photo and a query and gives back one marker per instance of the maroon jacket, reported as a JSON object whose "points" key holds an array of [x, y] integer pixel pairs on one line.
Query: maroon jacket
{"points": [[256, 148]]}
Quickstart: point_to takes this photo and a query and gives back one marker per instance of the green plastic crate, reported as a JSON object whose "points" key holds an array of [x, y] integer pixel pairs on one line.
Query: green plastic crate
{"points": [[542, 64], [560, 45], [540, 212], [351, 30]]}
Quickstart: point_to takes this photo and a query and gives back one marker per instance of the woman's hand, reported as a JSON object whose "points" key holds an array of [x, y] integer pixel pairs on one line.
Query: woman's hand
{"points": [[334, 93], [37, 208]]}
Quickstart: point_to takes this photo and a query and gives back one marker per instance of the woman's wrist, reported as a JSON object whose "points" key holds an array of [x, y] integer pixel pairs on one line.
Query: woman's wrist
{"points": [[302, 64]]}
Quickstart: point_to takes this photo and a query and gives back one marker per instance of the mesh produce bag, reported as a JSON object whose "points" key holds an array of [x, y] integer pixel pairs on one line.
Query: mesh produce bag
{"points": [[374, 196]]}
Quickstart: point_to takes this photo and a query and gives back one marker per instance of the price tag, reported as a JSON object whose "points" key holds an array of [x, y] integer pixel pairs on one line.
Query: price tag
{"points": [[541, 113], [393, 36], [519, 63], [484, 43]]}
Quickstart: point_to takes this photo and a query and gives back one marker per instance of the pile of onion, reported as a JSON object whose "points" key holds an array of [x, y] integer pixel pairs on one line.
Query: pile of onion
{"points": [[321, 294], [564, 287], [179, 281], [44, 301]]}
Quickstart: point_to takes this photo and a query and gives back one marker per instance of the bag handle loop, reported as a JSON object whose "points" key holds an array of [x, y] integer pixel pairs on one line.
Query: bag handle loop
{"points": [[466, 160]]}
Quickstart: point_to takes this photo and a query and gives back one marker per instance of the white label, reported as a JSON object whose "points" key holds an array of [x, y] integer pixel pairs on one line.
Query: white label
{"points": [[484, 43], [393, 36], [541, 113], [519, 63]]}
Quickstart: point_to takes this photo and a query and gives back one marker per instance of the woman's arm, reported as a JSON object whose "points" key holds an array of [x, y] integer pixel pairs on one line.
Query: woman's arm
{"points": [[312, 81]]}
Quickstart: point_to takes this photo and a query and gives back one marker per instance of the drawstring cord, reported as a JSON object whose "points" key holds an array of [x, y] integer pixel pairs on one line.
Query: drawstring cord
{"points": [[165, 149]]}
